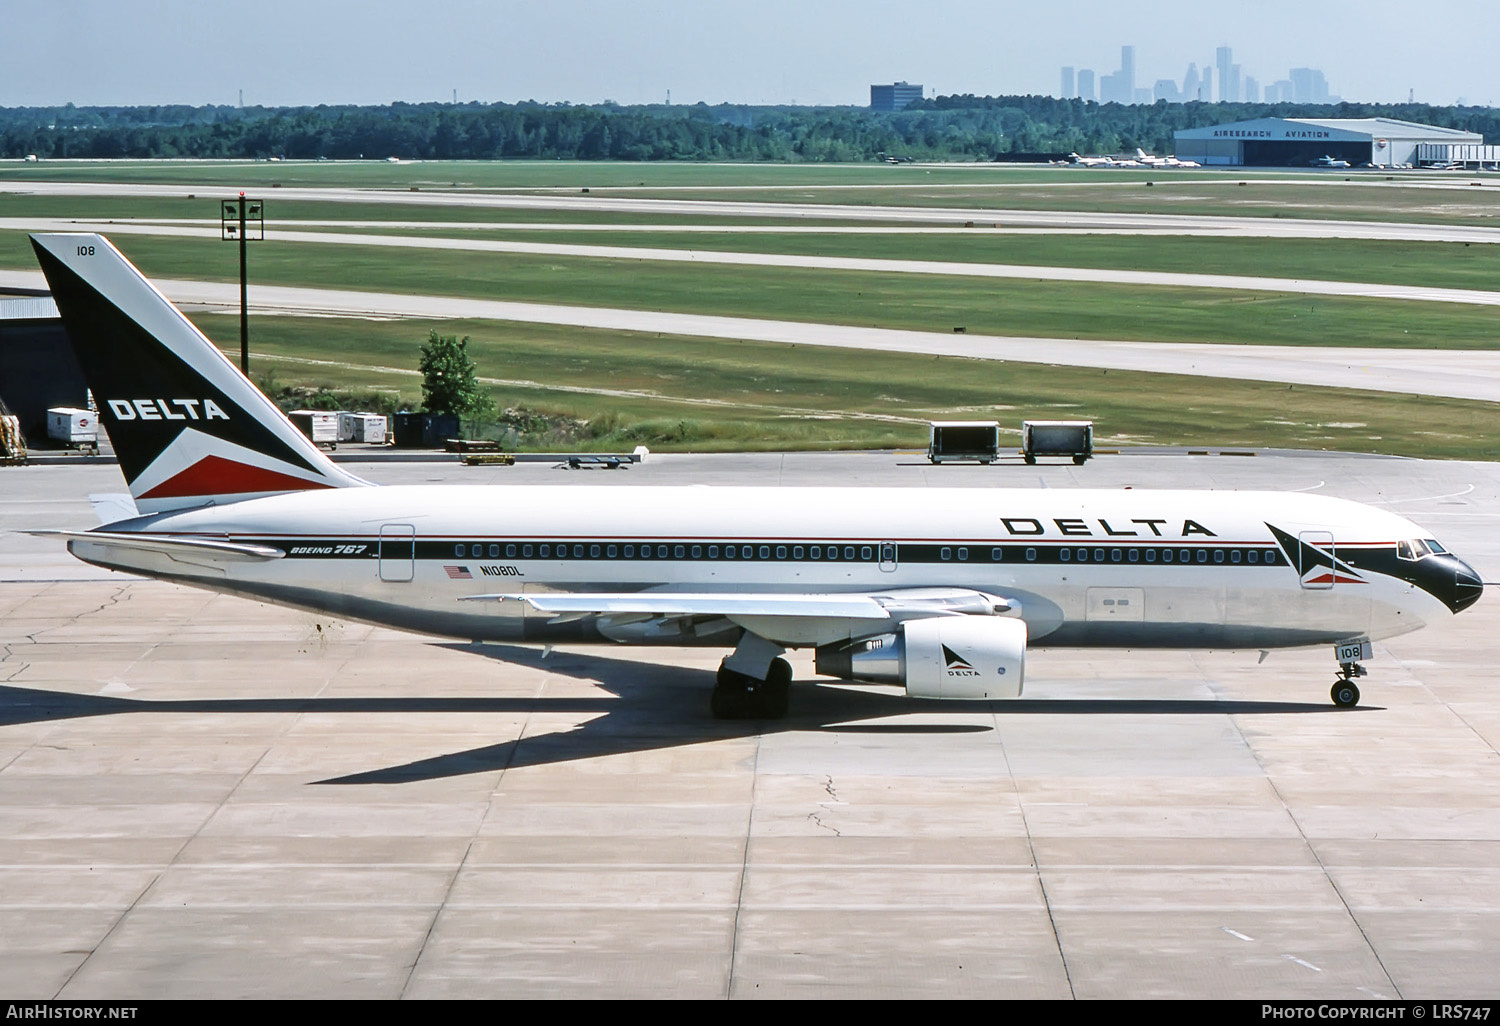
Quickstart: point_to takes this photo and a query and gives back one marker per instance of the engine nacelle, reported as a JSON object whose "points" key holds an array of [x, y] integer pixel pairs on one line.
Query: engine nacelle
{"points": [[939, 657]]}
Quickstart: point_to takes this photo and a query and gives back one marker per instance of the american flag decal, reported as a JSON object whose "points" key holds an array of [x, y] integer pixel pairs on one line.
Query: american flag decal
{"points": [[458, 573]]}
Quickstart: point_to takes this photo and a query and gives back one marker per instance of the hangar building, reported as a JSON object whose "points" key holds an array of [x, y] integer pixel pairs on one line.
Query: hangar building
{"points": [[37, 366], [1298, 142]]}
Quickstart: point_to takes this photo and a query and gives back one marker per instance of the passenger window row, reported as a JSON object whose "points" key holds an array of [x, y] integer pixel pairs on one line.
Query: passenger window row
{"points": [[668, 550], [908, 553], [1167, 554]]}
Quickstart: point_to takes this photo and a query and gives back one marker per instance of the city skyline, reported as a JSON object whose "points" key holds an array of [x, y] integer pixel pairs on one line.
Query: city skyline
{"points": [[309, 52], [1223, 81]]}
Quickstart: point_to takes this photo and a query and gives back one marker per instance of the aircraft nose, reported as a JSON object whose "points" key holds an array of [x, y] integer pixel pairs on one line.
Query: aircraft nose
{"points": [[1467, 587]]}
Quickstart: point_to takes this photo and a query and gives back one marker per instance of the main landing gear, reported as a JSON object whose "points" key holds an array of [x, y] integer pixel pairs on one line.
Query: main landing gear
{"points": [[739, 696], [1345, 692], [753, 682]]}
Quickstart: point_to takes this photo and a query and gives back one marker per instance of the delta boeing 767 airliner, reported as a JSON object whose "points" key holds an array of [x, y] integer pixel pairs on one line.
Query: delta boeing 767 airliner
{"points": [[940, 591]]}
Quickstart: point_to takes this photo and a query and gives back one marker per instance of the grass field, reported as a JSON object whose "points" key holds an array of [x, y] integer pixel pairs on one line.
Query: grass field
{"points": [[888, 300], [707, 394]]}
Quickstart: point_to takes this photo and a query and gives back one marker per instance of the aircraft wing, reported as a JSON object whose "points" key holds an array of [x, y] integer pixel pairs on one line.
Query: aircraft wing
{"points": [[655, 603], [892, 605]]}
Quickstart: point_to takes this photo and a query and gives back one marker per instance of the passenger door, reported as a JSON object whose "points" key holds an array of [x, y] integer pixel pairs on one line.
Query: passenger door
{"points": [[398, 552]]}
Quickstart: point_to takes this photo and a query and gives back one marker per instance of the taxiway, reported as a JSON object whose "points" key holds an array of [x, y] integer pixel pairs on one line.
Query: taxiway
{"points": [[207, 797]]}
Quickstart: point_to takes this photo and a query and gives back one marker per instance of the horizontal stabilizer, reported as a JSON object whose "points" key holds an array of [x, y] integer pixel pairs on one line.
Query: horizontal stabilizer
{"points": [[113, 507], [99, 546]]}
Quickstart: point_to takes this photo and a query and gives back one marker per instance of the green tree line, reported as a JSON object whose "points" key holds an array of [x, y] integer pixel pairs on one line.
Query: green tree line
{"points": [[945, 128]]}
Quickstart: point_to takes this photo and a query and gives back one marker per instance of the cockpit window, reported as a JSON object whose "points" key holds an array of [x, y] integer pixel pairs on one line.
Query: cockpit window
{"points": [[1417, 548]]}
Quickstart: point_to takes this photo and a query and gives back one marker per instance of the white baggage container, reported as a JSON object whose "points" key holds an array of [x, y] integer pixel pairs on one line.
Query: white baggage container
{"points": [[72, 426], [362, 427], [322, 426], [375, 428]]}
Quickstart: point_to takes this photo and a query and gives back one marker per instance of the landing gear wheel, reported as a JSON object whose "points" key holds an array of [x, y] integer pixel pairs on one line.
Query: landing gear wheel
{"points": [[1078, 460], [1345, 694], [1030, 460], [741, 697], [728, 703]]}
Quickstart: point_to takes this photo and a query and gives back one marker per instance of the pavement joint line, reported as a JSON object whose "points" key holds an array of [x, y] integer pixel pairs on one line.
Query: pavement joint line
{"points": [[495, 793], [1036, 863], [739, 895], [1457, 713], [437, 913], [1312, 850], [177, 854]]}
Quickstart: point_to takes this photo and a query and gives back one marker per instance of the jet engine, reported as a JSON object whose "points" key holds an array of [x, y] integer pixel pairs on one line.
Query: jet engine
{"points": [[938, 657]]}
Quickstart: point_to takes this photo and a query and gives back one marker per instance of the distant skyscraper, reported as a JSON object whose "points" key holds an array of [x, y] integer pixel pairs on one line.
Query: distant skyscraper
{"points": [[1120, 86], [1068, 89], [1166, 89], [1250, 89], [1112, 89], [1208, 84], [1086, 84], [1229, 84], [1309, 86], [1191, 84]]}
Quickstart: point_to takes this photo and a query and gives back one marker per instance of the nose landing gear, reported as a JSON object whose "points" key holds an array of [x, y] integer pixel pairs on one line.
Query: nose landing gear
{"points": [[1345, 692]]}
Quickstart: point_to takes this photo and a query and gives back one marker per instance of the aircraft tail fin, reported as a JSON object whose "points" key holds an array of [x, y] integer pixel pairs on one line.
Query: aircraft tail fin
{"points": [[189, 429]]}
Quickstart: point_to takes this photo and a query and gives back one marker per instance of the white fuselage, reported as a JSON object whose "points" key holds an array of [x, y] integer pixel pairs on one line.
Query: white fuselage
{"points": [[1119, 568]]}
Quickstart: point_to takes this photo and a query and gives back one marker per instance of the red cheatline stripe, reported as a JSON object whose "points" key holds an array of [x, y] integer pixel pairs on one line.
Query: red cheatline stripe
{"points": [[214, 475]]}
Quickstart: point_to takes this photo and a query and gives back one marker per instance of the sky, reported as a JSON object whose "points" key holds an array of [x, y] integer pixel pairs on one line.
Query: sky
{"points": [[306, 52]]}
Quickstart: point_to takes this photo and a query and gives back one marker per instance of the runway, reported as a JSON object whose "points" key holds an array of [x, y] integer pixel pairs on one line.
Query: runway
{"points": [[203, 797]]}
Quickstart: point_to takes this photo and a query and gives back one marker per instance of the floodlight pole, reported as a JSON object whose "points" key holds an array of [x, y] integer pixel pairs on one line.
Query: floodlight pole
{"points": [[244, 297], [236, 220]]}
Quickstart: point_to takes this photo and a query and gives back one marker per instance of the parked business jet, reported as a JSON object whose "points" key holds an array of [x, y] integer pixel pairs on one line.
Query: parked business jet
{"points": [[938, 590], [1142, 157]]}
